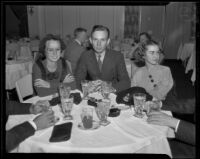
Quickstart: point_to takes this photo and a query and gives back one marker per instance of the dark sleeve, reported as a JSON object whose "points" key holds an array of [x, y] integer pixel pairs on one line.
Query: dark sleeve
{"points": [[186, 132], [81, 71], [13, 107], [18, 134], [185, 106], [123, 81]]}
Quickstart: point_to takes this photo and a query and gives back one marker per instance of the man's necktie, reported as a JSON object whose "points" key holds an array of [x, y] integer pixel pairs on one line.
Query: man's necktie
{"points": [[99, 62]]}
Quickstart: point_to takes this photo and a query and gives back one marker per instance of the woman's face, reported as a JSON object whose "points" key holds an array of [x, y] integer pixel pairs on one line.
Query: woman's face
{"points": [[143, 38], [152, 54], [53, 50]]}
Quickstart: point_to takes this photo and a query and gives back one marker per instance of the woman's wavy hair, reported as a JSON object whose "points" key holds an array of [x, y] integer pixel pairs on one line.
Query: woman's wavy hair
{"points": [[140, 51], [48, 37]]}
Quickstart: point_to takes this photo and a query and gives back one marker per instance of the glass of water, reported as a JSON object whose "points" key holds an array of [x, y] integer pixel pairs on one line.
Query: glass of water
{"points": [[102, 111], [66, 106], [85, 85], [139, 102]]}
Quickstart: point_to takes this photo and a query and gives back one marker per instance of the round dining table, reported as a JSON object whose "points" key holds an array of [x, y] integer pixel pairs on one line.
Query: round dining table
{"points": [[16, 69], [125, 133]]}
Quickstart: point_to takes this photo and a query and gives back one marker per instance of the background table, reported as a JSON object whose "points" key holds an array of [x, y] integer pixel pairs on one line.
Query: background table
{"points": [[16, 70], [125, 134]]}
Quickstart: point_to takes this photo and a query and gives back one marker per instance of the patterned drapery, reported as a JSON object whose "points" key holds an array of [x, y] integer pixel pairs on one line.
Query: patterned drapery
{"points": [[131, 25]]}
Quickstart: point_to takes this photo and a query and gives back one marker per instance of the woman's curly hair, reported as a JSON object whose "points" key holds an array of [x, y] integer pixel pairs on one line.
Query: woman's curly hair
{"points": [[139, 52], [42, 45]]}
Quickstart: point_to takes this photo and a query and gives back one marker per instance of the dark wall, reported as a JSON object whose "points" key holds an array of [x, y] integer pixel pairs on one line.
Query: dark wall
{"points": [[17, 20], [12, 23]]}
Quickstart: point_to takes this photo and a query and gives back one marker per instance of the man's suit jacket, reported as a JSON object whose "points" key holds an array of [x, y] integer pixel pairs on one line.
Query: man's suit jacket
{"points": [[19, 133], [183, 146], [113, 69], [73, 53]]}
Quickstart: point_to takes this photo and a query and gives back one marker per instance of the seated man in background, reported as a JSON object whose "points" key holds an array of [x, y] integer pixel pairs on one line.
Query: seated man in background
{"points": [[101, 63], [183, 146], [19, 133], [75, 48]]}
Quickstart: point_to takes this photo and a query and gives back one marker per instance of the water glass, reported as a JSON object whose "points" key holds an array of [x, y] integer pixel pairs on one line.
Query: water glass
{"points": [[139, 102], [102, 111], [87, 117], [66, 106], [106, 89], [85, 88], [64, 91]]}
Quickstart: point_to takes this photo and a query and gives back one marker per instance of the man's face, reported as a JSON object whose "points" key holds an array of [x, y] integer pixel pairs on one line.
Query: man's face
{"points": [[83, 36], [99, 41]]}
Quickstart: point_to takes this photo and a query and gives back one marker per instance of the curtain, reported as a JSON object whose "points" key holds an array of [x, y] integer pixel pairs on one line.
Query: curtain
{"points": [[179, 26], [131, 25], [20, 12]]}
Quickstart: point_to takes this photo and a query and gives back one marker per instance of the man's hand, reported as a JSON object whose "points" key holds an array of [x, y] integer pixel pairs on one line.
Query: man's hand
{"points": [[160, 118], [45, 120], [41, 83], [39, 107]]}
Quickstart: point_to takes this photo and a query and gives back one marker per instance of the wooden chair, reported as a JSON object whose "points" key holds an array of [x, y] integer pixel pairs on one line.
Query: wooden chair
{"points": [[24, 87]]}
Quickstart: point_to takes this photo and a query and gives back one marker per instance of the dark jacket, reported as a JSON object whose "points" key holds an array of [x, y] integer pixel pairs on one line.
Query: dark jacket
{"points": [[113, 69], [19, 133]]}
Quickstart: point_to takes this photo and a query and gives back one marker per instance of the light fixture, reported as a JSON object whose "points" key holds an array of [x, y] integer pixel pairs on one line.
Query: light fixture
{"points": [[30, 10]]}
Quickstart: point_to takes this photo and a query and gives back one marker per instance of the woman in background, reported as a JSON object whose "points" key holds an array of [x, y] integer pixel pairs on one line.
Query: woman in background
{"points": [[50, 69], [154, 78], [144, 37]]}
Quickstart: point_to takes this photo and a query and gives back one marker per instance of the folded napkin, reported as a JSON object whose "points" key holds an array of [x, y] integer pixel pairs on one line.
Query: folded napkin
{"points": [[76, 96], [61, 132], [128, 93]]}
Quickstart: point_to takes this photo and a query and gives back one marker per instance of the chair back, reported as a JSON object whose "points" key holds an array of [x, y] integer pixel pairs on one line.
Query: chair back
{"points": [[24, 87]]}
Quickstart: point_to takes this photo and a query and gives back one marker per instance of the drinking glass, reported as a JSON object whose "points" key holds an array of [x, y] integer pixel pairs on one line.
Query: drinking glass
{"points": [[85, 85], [87, 117], [64, 91], [66, 106], [139, 102], [106, 89], [102, 111]]}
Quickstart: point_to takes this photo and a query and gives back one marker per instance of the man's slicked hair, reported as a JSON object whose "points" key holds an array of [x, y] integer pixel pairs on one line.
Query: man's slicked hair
{"points": [[79, 30], [100, 28]]}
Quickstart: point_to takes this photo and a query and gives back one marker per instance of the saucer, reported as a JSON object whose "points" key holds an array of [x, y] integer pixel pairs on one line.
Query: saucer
{"points": [[95, 125]]}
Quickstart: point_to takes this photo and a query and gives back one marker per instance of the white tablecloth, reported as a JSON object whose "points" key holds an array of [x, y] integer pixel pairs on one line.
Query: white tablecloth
{"points": [[125, 134], [16, 70]]}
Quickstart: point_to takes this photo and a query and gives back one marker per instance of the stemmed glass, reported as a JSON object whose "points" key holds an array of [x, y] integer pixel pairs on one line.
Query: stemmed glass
{"points": [[106, 89], [66, 101], [85, 85], [102, 111]]}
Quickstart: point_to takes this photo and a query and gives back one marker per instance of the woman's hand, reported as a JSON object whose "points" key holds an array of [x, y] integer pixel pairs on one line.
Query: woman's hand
{"points": [[41, 83], [68, 79]]}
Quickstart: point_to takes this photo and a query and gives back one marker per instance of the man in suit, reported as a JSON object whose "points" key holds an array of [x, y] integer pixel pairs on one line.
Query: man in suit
{"points": [[19, 133], [183, 146], [102, 63], [75, 48]]}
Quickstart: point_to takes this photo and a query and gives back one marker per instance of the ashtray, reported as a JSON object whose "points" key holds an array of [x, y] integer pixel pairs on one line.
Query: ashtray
{"points": [[114, 112], [95, 125]]}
